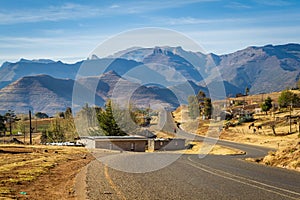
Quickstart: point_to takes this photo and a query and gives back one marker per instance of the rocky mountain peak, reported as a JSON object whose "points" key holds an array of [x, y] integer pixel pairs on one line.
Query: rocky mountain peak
{"points": [[110, 74], [162, 51]]}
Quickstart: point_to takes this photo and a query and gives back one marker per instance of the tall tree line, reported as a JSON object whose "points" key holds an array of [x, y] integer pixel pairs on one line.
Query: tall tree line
{"points": [[199, 105]]}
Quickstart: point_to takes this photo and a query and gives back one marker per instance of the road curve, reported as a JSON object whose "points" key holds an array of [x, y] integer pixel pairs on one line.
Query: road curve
{"points": [[212, 177], [191, 177]]}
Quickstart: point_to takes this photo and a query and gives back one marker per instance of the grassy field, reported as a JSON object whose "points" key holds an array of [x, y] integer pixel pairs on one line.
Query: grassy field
{"points": [[37, 172], [259, 98], [23, 126], [286, 141]]}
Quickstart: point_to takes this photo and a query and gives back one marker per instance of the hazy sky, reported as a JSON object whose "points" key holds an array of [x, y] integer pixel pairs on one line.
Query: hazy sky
{"points": [[70, 30]]}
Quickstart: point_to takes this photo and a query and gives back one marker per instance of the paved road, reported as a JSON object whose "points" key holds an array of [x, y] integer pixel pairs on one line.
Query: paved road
{"points": [[189, 177]]}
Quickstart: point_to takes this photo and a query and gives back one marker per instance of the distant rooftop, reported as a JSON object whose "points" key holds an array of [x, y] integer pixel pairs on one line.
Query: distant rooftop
{"points": [[128, 137]]}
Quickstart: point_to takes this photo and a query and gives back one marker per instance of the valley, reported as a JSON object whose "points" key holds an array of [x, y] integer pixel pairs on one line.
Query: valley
{"points": [[155, 92]]}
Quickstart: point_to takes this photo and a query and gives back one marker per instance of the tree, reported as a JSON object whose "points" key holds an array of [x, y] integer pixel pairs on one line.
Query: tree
{"points": [[199, 104], [108, 123], [247, 90], [54, 133], [21, 126], [193, 107], [207, 109], [60, 115], [86, 120], [68, 113], [204, 103], [41, 115], [68, 125], [201, 96], [10, 119], [267, 105], [273, 126], [288, 98], [2, 124]]}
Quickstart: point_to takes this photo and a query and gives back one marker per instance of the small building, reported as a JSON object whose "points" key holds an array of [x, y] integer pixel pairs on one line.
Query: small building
{"points": [[258, 111], [120, 143], [166, 144], [132, 143]]}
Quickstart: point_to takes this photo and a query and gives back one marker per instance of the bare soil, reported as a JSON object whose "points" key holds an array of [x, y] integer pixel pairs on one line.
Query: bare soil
{"points": [[286, 142], [40, 172]]}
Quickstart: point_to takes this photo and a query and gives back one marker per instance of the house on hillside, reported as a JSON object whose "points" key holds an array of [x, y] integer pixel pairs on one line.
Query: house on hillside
{"points": [[258, 111]]}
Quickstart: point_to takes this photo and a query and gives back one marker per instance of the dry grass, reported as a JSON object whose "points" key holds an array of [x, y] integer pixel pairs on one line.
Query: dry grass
{"points": [[259, 98], [36, 138], [285, 157], [242, 133], [285, 141], [22, 165], [162, 134], [265, 136], [199, 147]]}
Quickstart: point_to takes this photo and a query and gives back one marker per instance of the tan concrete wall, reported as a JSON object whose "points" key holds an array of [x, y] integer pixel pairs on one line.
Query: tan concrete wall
{"points": [[88, 143], [151, 145], [138, 146], [174, 144]]}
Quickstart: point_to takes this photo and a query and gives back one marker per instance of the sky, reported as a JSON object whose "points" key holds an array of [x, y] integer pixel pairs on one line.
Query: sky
{"points": [[70, 30]]}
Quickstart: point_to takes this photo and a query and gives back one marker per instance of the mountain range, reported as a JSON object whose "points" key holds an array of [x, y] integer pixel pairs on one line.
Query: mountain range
{"points": [[162, 76]]}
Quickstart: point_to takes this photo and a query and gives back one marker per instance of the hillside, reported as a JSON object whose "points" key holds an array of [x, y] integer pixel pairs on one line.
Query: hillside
{"points": [[160, 75], [37, 93], [263, 69], [285, 141], [43, 93], [10, 72]]}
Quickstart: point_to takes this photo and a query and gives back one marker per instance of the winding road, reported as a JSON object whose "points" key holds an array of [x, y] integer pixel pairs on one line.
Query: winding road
{"points": [[190, 177]]}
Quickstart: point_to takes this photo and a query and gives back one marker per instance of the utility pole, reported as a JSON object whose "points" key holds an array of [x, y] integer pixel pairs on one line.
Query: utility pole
{"points": [[30, 128], [24, 135], [10, 126], [298, 128], [291, 118]]}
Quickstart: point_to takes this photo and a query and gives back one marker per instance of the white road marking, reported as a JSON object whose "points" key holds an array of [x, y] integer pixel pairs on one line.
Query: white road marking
{"points": [[244, 182]]}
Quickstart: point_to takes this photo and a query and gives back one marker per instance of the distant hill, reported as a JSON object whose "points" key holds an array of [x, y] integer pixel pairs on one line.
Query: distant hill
{"points": [[262, 69], [39, 93], [160, 75], [51, 95], [10, 72]]}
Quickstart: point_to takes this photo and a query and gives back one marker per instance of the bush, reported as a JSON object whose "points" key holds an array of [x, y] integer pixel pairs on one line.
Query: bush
{"points": [[288, 98], [246, 118]]}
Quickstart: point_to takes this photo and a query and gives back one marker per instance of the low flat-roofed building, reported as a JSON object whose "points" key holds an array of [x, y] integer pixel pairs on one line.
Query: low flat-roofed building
{"points": [[121, 143], [166, 144]]}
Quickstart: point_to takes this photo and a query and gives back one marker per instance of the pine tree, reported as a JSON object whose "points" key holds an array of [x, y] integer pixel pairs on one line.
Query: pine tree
{"points": [[11, 118], [207, 108], [247, 90], [107, 122], [2, 124]]}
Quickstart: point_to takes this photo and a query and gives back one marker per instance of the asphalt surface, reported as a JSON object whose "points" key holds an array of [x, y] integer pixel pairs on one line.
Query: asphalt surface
{"points": [[189, 177], [172, 176]]}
